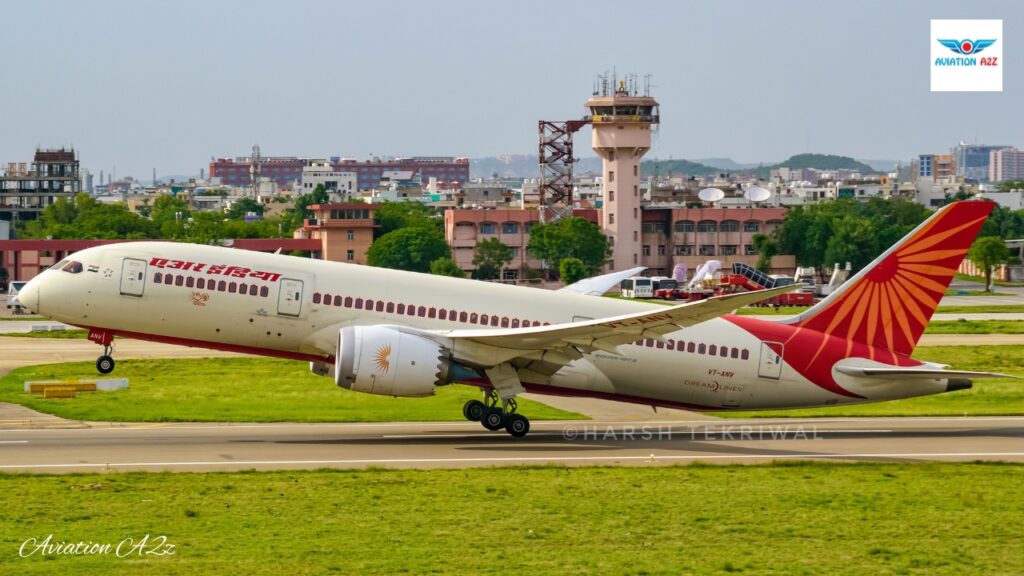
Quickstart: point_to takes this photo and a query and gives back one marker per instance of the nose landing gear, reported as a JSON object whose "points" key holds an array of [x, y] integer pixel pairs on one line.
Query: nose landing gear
{"points": [[105, 363]]}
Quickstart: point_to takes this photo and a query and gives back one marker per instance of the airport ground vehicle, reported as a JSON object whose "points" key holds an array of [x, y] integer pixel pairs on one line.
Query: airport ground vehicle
{"points": [[637, 287], [12, 303]]}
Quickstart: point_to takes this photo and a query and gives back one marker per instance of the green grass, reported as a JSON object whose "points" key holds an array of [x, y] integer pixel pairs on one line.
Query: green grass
{"points": [[981, 280], [237, 390], [71, 334], [23, 318], [800, 518], [952, 292], [1000, 396], [975, 327]]}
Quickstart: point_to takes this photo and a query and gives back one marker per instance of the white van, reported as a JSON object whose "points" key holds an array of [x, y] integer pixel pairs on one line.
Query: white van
{"points": [[12, 296], [637, 287]]}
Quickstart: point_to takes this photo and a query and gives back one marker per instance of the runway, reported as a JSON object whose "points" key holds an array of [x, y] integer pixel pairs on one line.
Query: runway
{"points": [[218, 447]]}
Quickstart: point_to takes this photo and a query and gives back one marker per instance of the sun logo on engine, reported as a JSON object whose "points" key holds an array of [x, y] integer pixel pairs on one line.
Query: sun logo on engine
{"points": [[381, 358]]}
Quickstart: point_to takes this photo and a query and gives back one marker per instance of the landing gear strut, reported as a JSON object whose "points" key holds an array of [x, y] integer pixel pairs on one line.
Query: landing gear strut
{"points": [[495, 413]]}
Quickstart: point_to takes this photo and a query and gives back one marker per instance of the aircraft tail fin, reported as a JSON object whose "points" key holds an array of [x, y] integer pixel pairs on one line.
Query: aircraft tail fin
{"points": [[888, 304]]}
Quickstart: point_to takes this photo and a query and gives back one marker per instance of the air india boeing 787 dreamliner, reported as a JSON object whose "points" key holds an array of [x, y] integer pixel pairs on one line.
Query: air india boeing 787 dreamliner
{"points": [[400, 333]]}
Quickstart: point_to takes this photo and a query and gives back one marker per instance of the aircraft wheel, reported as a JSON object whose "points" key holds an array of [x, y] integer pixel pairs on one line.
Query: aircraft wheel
{"points": [[493, 419], [473, 410], [104, 364], [517, 425]]}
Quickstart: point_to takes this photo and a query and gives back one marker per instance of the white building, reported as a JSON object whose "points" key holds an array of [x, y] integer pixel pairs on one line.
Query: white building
{"points": [[340, 185], [1006, 164]]}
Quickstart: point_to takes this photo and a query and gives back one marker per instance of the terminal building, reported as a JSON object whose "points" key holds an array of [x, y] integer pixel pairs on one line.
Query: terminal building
{"points": [[449, 172]]}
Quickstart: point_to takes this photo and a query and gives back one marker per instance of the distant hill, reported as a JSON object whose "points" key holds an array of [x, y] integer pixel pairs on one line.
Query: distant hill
{"points": [[822, 162], [881, 165], [728, 164], [666, 167]]}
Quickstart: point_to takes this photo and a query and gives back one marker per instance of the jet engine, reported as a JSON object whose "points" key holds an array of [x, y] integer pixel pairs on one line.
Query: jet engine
{"points": [[390, 360]]}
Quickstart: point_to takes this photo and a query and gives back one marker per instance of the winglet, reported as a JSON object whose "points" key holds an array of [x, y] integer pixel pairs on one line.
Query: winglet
{"points": [[598, 285]]}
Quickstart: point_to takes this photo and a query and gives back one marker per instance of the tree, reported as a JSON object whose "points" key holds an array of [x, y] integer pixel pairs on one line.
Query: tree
{"points": [[987, 253], [570, 238], [446, 267], [766, 247], [242, 206], [489, 257], [397, 215], [1011, 185], [853, 241], [410, 249], [572, 270]]}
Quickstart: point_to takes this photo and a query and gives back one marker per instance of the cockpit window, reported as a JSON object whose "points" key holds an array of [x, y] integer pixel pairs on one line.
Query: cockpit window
{"points": [[59, 265], [72, 267]]}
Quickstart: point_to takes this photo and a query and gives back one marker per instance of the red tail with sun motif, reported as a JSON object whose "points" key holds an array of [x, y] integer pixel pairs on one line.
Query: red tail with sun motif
{"points": [[888, 304]]}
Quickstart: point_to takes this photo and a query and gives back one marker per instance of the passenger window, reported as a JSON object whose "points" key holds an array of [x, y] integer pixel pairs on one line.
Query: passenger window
{"points": [[348, 301], [201, 283], [723, 351], [442, 314], [744, 355], [401, 309], [515, 322], [222, 286], [253, 290], [485, 319], [190, 282], [670, 345], [168, 279], [369, 304], [243, 288], [391, 307], [327, 299], [734, 353], [432, 313], [316, 297], [504, 321], [157, 278], [410, 310], [179, 280], [463, 316], [232, 287], [702, 349], [494, 320], [422, 311], [472, 318], [681, 346], [380, 306], [264, 291], [713, 350], [659, 344]]}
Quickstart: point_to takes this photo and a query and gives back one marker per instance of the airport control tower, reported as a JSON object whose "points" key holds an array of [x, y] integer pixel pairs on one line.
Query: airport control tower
{"points": [[622, 120]]}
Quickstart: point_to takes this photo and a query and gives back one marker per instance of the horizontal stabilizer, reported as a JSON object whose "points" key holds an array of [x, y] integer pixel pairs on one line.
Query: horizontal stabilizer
{"points": [[916, 373]]}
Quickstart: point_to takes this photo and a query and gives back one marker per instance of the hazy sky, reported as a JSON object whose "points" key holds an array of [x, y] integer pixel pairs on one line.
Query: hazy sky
{"points": [[142, 84]]}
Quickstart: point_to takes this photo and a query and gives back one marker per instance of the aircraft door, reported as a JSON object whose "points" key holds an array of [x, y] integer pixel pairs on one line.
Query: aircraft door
{"points": [[770, 365], [289, 300], [133, 276]]}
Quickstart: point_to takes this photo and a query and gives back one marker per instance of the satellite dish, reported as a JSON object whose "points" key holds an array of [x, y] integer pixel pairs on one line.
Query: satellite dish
{"points": [[711, 195], [757, 194]]}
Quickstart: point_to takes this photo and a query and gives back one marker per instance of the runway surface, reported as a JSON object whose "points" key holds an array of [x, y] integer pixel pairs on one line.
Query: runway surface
{"points": [[212, 447]]}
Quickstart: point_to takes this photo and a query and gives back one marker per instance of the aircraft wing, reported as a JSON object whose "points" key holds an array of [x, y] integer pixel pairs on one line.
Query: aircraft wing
{"points": [[559, 344], [598, 285]]}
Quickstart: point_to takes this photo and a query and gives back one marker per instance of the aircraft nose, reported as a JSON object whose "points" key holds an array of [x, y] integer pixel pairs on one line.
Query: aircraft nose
{"points": [[29, 295]]}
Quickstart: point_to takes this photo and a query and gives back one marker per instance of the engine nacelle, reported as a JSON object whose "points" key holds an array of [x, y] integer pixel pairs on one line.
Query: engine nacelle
{"points": [[390, 360]]}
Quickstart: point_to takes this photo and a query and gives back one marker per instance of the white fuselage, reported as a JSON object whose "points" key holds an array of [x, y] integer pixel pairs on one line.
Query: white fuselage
{"points": [[123, 289]]}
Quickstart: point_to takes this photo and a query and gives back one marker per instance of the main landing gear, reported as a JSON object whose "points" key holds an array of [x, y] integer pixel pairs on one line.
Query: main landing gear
{"points": [[494, 414]]}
